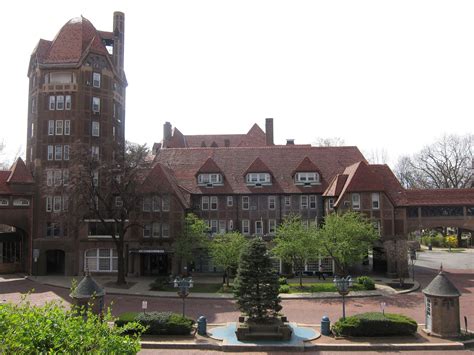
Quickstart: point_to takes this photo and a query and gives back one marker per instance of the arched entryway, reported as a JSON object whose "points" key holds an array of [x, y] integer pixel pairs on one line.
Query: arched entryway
{"points": [[55, 262]]}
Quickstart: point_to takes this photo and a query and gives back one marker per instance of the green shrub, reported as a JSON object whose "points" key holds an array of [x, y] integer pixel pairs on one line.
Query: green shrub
{"points": [[28, 329], [367, 282], [284, 289], [159, 284], [375, 324], [283, 280], [159, 323], [451, 241]]}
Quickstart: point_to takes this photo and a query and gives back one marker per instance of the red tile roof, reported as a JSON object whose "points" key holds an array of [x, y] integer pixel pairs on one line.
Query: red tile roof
{"points": [[257, 166], [209, 166], [77, 37], [161, 179], [255, 137], [439, 197], [234, 162], [19, 173], [306, 165]]}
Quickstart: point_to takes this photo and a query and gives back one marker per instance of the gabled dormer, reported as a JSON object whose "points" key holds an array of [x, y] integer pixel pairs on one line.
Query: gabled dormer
{"points": [[306, 173], [209, 174], [258, 174]]}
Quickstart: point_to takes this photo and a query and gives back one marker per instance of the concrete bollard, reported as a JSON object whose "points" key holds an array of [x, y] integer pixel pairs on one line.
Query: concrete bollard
{"points": [[325, 326]]}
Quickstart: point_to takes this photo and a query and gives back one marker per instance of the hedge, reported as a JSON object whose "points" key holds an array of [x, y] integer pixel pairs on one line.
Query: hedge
{"points": [[159, 323], [367, 282], [374, 324]]}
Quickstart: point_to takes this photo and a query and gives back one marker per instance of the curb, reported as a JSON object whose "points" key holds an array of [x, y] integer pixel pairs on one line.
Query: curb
{"points": [[294, 296], [415, 287]]}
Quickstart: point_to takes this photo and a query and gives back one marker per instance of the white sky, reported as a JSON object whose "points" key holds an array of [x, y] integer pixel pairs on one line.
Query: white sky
{"points": [[382, 75]]}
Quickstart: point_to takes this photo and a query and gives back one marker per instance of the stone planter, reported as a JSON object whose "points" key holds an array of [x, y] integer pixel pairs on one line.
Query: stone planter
{"points": [[270, 329]]}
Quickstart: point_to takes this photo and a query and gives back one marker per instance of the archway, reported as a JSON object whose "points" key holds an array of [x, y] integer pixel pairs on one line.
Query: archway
{"points": [[55, 262]]}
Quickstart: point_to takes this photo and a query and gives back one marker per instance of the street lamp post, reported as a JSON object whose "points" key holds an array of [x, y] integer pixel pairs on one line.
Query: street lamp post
{"points": [[413, 259], [342, 284], [183, 284]]}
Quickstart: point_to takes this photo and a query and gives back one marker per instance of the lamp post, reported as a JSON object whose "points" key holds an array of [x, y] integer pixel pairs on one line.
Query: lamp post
{"points": [[342, 284], [183, 284], [413, 259]]}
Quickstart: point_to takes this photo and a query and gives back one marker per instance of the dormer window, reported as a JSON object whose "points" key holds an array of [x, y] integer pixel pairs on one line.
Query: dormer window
{"points": [[307, 178], [213, 179], [258, 179]]}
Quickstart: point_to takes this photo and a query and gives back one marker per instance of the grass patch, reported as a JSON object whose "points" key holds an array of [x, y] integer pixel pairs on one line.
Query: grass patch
{"points": [[455, 250]]}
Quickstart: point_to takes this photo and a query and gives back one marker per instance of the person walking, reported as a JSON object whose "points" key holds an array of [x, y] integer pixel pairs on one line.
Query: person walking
{"points": [[321, 273]]}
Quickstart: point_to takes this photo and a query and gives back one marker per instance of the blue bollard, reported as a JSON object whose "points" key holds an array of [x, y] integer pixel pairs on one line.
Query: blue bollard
{"points": [[325, 326], [202, 326]]}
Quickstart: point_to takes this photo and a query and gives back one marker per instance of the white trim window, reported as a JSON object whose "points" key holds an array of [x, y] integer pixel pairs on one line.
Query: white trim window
{"points": [[96, 80], [59, 127], [66, 152], [52, 103], [213, 203], [205, 203], [356, 201], [245, 227], [65, 177], [375, 200], [287, 201], [32, 129], [311, 178], [259, 227], [95, 129], [118, 201], [156, 203], [68, 102], [231, 225], [304, 202], [49, 203], [4, 202], [258, 179], [51, 128], [57, 202], [96, 104], [95, 152], [214, 226], [331, 203], [21, 202], [67, 127], [271, 226], [222, 226], [146, 204], [213, 179], [147, 230], [58, 152], [156, 230], [59, 102], [101, 260], [312, 202], [95, 178], [165, 231], [49, 177], [58, 177], [50, 152], [230, 201], [245, 202], [271, 202]]}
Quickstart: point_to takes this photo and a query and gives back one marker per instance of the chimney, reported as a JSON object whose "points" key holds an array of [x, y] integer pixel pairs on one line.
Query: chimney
{"points": [[119, 33], [226, 143], [166, 134], [290, 142], [269, 131]]}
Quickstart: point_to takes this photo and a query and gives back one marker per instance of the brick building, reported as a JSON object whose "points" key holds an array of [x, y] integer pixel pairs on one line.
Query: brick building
{"points": [[241, 182]]}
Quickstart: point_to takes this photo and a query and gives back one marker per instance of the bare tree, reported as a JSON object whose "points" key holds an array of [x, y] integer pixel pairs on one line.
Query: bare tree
{"points": [[446, 163], [107, 191], [329, 142], [377, 156], [3, 163]]}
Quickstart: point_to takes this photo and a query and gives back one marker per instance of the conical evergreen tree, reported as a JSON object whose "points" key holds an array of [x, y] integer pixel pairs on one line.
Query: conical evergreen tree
{"points": [[256, 285]]}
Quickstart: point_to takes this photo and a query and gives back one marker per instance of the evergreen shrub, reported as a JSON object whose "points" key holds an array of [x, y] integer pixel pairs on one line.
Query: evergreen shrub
{"points": [[367, 282], [159, 323], [373, 324]]}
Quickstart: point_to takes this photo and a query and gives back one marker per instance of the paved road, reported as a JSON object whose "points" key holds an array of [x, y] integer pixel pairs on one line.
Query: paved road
{"points": [[207, 352]]}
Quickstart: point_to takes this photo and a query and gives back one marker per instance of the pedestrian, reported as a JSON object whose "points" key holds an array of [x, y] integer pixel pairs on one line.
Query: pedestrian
{"points": [[321, 273]]}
